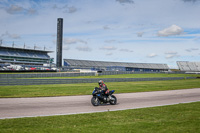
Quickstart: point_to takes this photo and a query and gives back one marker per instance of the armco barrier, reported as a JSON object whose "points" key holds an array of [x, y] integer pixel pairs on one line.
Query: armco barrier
{"points": [[41, 75], [8, 82], [191, 77], [74, 74]]}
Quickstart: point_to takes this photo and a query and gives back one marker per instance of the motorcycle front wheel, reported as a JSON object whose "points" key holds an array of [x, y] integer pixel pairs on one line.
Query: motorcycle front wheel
{"points": [[113, 100], [95, 101]]}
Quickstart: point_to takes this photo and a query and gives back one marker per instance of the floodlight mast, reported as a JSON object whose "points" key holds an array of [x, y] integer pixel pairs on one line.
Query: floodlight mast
{"points": [[59, 42]]}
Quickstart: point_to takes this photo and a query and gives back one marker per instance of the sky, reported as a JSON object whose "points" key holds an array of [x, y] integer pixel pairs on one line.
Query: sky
{"points": [[136, 31]]}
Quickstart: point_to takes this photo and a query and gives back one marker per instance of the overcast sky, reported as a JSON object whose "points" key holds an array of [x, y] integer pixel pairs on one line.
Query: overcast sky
{"points": [[138, 31]]}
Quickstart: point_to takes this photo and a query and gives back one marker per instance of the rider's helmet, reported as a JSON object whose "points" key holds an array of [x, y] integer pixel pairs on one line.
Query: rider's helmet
{"points": [[100, 82]]}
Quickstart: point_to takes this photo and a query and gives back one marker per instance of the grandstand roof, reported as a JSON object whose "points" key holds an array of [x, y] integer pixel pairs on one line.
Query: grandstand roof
{"points": [[23, 49], [189, 66], [7, 51], [87, 63]]}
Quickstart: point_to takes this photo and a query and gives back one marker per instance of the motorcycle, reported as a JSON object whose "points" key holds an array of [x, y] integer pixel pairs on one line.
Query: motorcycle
{"points": [[99, 98]]}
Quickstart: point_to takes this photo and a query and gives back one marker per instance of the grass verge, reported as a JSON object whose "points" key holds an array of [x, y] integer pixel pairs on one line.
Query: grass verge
{"points": [[87, 88], [146, 75], [181, 118]]}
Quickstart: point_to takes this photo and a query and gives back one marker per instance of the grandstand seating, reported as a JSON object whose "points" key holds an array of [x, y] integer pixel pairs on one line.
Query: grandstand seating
{"points": [[3, 52], [114, 65], [23, 56], [189, 66]]}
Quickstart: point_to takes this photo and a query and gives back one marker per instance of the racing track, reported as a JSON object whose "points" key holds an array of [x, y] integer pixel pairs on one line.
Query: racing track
{"points": [[65, 105]]}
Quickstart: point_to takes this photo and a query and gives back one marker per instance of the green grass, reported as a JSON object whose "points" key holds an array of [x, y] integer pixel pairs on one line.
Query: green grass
{"points": [[87, 88], [181, 118], [147, 75]]}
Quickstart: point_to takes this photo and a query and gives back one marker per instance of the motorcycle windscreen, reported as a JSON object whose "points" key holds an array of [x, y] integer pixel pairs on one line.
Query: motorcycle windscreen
{"points": [[111, 92]]}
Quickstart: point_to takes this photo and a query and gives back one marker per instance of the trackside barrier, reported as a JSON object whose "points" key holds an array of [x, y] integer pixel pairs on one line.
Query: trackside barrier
{"points": [[10, 82], [192, 77], [75, 74], [41, 75]]}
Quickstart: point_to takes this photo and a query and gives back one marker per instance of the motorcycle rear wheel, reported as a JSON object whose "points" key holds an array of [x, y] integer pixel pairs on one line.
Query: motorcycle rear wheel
{"points": [[95, 101], [113, 100]]}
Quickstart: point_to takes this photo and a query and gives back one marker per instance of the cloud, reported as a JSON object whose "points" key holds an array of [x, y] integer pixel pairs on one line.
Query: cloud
{"points": [[152, 55], [12, 36], [74, 41], [14, 9], [84, 48], [72, 9], [54, 35], [109, 54], [31, 11], [66, 47], [191, 49], [171, 54], [54, 42], [170, 31], [110, 41], [140, 34], [66, 8], [108, 48], [126, 50], [125, 1], [4, 1], [55, 6], [197, 39], [106, 27], [190, 0]]}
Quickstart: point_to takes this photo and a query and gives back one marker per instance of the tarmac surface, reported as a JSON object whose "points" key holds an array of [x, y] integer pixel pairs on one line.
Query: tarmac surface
{"points": [[66, 105]]}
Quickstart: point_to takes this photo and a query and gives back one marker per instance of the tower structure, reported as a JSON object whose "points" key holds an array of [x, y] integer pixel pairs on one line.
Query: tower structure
{"points": [[59, 42]]}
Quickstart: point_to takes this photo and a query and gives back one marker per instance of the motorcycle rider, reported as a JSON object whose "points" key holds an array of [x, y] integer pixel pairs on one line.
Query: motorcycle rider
{"points": [[104, 90]]}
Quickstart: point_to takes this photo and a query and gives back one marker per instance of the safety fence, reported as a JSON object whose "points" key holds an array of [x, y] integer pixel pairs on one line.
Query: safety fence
{"points": [[9, 82], [74, 74], [43, 75]]}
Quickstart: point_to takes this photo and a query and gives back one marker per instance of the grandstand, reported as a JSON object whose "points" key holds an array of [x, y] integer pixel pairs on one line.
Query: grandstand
{"points": [[189, 66], [25, 57], [114, 66]]}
